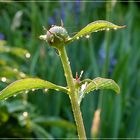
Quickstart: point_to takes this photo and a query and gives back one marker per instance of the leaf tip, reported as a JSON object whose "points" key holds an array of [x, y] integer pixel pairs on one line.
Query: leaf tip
{"points": [[124, 26]]}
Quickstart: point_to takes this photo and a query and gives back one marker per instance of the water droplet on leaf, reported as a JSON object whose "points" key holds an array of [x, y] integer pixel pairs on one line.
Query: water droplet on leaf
{"points": [[57, 89], [26, 91], [27, 55], [33, 89], [25, 114], [3, 79], [77, 37], [87, 36], [107, 29], [45, 90]]}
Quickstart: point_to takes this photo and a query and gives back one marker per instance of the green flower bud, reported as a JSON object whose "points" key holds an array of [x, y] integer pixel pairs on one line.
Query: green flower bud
{"points": [[56, 36]]}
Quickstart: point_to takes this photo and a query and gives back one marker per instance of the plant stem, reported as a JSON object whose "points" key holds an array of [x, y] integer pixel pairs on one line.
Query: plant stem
{"points": [[72, 94]]}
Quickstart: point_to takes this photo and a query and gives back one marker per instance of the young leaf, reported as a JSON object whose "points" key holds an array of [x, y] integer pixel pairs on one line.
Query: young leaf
{"points": [[96, 26], [102, 83], [28, 84]]}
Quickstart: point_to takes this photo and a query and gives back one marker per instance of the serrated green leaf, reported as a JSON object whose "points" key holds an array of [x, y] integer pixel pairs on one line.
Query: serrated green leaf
{"points": [[28, 84], [102, 83], [96, 26]]}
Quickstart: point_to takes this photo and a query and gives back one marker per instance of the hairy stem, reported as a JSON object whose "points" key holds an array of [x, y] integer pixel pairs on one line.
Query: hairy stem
{"points": [[72, 94]]}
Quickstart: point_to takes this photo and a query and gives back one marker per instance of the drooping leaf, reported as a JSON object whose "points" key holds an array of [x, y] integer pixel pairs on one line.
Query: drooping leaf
{"points": [[28, 84], [95, 26], [102, 83]]}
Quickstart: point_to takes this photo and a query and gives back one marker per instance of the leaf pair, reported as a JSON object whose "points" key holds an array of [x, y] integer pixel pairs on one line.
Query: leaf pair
{"points": [[34, 83]]}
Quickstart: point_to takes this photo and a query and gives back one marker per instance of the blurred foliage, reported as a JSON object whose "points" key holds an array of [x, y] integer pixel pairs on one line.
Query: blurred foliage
{"points": [[103, 54]]}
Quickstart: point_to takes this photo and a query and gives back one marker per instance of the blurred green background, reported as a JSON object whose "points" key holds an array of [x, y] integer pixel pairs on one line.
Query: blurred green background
{"points": [[114, 54]]}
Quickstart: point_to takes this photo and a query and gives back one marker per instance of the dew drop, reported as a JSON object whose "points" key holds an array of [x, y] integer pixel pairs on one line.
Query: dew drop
{"points": [[107, 29], [5, 99], [87, 36], [15, 95], [57, 89], [45, 90], [3, 79], [65, 75], [25, 114], [26, 91], [77, 37], [115, 28], [33, 89], [27, 55]]}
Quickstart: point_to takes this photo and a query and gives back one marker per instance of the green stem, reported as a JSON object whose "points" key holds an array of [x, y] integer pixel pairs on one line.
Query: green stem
{"points": [[72, 94]]}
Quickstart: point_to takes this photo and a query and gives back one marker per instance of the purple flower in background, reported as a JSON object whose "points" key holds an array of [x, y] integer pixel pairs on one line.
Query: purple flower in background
{"points": [[63, 14], [113, 61], [51, 21], [102, 54], [77, 10], [2, 37]]}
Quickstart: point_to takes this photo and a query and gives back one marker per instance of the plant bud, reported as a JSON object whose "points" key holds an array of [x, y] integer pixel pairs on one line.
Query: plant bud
{"points": [[56, 36]]}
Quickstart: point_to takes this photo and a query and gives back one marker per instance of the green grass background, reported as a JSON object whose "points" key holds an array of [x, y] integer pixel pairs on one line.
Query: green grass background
{"points": [[114, 54]]}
